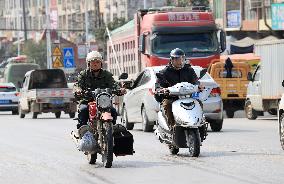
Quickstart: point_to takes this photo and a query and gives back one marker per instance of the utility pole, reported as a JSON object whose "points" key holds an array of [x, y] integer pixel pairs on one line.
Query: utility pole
{"points": [[86, 27], [145, 4], [18, 27], [47, 34], [24, 17]]}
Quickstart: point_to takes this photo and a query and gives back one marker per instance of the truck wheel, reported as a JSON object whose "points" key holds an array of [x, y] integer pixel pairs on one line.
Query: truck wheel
{"points": [[72, 114], [281, 130], [22, 115], [272, 111], [216, 125], [57, 114], [124, 119], [230, 113], [251, 114], [173, 150], [146, 127], [35, 115]]}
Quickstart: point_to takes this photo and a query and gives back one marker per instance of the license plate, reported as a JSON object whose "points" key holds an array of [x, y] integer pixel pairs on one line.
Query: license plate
{"points": [[57, 102], [4, 101], [195, 95]]}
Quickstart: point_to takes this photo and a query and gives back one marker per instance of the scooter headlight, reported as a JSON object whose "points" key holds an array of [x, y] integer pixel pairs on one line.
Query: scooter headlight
{"points": [[104, 101]]}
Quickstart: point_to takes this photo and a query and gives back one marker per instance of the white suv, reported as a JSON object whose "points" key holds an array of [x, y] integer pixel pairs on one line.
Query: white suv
{"points": [[9, 98]]}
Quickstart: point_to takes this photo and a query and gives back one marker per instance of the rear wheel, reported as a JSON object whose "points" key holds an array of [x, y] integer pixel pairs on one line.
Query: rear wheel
{"points": [[173, 150], [92, 158], [129, 126], [15, 112], [230, 113], [35, 115], [193, 143], [146, 127], [216, 125], [58, 114], [281, 130], [72, 114], [107, 146], [251, 114]]}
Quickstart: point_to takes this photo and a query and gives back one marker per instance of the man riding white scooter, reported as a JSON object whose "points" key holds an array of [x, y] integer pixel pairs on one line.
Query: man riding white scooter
{"points": [[175, 87]]}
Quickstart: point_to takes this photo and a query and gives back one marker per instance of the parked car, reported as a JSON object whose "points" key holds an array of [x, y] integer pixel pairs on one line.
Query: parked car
{"points": [[9, 98], [140, 106]]}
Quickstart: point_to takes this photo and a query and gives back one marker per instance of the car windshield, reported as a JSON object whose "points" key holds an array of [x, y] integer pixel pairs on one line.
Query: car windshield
{"points": [[205, 77], [7, 89], [190, 43]]}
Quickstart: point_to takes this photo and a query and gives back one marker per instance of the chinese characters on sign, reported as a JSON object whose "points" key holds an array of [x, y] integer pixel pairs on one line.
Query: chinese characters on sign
{"points": [[233, 19]]}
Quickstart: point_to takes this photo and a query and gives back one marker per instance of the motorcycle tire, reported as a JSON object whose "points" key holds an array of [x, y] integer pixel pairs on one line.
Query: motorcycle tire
{"points": [[108, 146], [58, 114], [173, 150], [281, 130], [194, 143], [92, 158]]}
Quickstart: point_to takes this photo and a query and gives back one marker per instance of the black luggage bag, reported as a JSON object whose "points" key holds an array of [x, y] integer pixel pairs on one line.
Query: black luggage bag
{"points": [[123, 141]]}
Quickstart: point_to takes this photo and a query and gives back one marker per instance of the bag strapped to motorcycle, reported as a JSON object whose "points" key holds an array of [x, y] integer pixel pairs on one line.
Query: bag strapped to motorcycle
{"points": [[123, 141]]}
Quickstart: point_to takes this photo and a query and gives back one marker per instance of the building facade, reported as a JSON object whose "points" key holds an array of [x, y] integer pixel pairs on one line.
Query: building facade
{"points": [[255, 18]]}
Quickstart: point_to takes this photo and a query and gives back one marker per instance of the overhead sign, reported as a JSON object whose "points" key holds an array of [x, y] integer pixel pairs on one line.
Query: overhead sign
{"points": [[277, 16], [68, 57]]}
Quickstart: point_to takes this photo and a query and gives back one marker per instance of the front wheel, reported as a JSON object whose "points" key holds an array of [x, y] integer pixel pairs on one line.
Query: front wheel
{"points": [[129, 126], [251, 114], [281, 130], [107, 146], [92, 158], [22, 115], [35, 115], [146, 127], [193, 143]]}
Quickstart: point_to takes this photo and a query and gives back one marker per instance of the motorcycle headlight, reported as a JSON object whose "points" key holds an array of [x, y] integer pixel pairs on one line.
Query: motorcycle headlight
{"points": [[104, 101]]}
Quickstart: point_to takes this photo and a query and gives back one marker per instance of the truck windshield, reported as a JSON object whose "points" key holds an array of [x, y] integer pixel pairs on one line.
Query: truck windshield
{"points": [[190, 43]]}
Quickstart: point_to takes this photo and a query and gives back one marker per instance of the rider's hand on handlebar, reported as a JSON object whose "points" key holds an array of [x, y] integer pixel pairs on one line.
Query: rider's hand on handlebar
{"points": [[123, 91]]}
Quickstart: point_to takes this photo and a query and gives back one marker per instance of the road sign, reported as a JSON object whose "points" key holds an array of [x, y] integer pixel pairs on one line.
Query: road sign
{"points": [[68, 53], [56, 52], [68, 57], [69, 63], [57, 63]]}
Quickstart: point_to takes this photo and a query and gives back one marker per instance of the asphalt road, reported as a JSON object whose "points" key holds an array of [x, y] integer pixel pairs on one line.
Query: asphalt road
{"points": [[41, 151]]}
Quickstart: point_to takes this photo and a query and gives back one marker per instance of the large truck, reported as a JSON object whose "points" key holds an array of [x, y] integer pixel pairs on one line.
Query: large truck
{"points": [[264, 89], [148, 39]]}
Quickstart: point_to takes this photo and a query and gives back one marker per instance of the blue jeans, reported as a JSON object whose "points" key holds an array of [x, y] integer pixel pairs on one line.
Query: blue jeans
{"points": [[83, 115]]}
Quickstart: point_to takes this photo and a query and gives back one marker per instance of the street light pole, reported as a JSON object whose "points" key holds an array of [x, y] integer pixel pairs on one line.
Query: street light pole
{"points": [[145, 4], [48, 41], [86, 27], [24, 17]]}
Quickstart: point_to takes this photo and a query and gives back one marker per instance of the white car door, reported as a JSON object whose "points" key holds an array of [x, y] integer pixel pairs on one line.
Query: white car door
{"points": [[23, 100], [255, 90]]}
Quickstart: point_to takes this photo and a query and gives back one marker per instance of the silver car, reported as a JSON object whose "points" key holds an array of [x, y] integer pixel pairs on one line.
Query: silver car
{"points": [[140, 106]]}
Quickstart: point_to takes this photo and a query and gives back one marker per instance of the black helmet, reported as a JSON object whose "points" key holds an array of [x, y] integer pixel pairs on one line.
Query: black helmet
{"points": [[176, 53]]}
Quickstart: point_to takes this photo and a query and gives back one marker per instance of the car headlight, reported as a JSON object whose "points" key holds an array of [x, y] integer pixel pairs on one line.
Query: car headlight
{"points": [[104, 101]]}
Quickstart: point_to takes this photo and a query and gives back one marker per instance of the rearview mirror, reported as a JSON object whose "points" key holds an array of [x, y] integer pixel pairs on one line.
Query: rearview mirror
{"points": [[142, 43], [223, 41], [202, 73], [249, 77], [283, 83], [123, 76]]}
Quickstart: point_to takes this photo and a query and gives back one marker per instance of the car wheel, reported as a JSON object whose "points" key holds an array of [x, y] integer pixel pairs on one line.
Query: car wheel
{"points": [[35, 115], [72, 114], [146, 127], [281, 130], [15, 112], [251, 114], [216, 125], [230, 113], [58, 114], [124, 119]]}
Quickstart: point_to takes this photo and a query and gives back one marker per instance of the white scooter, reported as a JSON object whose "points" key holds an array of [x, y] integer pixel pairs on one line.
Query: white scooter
{"points": [[190, 127]]}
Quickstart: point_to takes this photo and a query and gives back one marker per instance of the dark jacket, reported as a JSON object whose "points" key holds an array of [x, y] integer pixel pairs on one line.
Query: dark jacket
{"points": [[88, 80], [169, 77]]}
